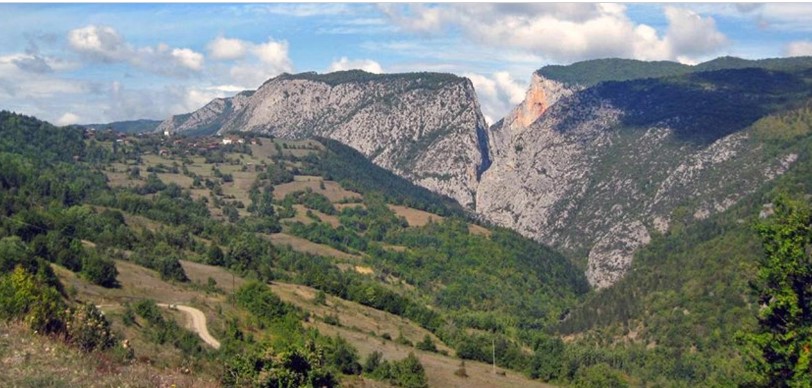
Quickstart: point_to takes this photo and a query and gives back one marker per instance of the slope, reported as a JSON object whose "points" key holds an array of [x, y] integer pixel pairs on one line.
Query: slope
{"points": [[687, 294], [604, 168]]}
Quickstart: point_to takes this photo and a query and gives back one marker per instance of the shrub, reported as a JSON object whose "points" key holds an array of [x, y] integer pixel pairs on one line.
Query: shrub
{"points": [[88, 329], [100, 271], [24, 296]]}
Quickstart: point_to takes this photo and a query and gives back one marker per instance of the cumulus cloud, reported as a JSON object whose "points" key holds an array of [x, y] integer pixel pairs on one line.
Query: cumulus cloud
{"points": [[690, 34], [249, 63], [223, 48], [67, 119], [566, 32], [274, 53], [367, 65], [498, 93], [798, 48], [99, 42], [105, 44], [188, 58]]}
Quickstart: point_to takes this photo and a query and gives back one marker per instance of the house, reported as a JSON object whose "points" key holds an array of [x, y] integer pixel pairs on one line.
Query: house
{"points": [[233, 139]]}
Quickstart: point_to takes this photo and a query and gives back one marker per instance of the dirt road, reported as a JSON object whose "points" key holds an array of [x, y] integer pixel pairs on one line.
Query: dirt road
{"points": [[198, 323]]}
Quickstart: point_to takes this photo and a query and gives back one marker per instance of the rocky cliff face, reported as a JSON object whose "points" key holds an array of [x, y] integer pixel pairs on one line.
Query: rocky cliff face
{"points": [[596, 175], [591, 168], [425, 127]]}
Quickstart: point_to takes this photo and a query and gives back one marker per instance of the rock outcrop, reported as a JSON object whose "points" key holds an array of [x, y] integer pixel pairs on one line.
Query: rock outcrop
{"points": [[591, 163], [594, 176], [425, 127]]}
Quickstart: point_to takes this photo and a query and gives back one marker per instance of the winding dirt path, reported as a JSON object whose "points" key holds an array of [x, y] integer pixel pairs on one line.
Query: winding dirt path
{"points": [[198, 323]]}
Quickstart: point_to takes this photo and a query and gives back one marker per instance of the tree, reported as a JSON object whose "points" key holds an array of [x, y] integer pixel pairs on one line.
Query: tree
{"points": [[783, 340], [100, 271]]}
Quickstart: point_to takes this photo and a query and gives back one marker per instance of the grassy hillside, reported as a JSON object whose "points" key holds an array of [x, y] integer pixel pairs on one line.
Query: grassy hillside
{"points": [[592, 72], [130, 126], [123, 221]]}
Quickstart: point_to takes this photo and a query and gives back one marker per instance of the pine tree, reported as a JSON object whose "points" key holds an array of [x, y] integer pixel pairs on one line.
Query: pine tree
{"points": [[784, 285]]}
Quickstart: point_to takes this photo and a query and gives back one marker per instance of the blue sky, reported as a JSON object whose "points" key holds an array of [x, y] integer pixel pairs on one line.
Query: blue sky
{"points": [[89, 63]]}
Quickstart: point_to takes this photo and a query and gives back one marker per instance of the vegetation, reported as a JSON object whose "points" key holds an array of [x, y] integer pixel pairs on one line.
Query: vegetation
{"points": [[784, 336], [426, 80], [591, 72]]}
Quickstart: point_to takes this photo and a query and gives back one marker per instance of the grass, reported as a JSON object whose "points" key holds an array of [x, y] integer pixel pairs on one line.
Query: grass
{"points": [[301, 245], [29, 360], [418, 218], [332, 190]]}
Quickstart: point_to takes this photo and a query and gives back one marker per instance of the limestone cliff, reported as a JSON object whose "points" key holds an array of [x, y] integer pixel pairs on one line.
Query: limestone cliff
{"points": [[425, 127], [602, 168]]}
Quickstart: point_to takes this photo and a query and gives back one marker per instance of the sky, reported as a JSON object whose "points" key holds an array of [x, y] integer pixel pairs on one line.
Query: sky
{"points": [[98, 63]]}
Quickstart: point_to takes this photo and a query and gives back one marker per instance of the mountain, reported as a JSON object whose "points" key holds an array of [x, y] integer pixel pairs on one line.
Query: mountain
{"points": [[129, 126], [603, 168], [600, 155], [426, 127]]}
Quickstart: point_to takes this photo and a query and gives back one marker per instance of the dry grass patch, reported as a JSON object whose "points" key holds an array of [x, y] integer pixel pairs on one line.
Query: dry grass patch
{"points": [[439, 369], [301, 245], [200, 273], [29, 360], [415, 217], [179, 179], [332, 190], [121, 179], [354, 316]]}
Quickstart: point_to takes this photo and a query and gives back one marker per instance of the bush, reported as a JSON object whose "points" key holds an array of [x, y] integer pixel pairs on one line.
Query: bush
{"points": [[26, 297], [88, 329], [100, 271], [427, 344]]}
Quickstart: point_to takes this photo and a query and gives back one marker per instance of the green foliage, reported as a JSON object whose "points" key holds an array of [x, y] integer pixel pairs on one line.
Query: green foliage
{"points": [[784, 336], [426, 344], [100, 271], [297, 367], [356, 173], [599, 376], [424, 79], [310, 200], [261, 301], [26, 297], [166, 331], [591, 72], [408, 372], [698, 105], [88, 329]]}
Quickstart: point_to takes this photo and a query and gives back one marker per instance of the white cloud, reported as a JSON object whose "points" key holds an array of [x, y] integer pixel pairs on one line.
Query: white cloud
{"points": [[690, 34], [362, 64], [99, 42], [798, 48], [566, 32], [67, 119], [188, 58], [227, 49], [105, 44], [497, 93], [274, 53]]}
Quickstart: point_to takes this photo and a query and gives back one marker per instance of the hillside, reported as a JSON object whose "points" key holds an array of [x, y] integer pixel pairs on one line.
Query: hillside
{"points": [[589, 73], [688, 294], [136, 223], [130, 126], [425, 127], [606, 167]]}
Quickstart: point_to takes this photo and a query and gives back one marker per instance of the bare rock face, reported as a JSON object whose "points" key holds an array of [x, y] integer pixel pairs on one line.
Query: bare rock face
{"points": [[425, 127], [207, 118], [581, 179], [594, 171]]}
